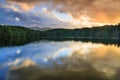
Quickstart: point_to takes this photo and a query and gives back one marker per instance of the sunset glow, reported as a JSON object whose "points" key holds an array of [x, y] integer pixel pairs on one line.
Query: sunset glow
{"points": [[60, 13]]}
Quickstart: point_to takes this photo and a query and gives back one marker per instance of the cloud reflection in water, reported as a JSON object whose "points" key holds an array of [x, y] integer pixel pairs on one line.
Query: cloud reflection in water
{"points": [[51, 60]]}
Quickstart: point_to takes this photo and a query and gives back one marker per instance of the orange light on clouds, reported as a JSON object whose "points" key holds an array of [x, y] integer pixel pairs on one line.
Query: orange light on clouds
{"points": [[84, 13]]}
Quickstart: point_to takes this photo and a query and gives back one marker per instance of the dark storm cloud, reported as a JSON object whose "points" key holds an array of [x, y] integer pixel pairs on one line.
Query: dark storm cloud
{"points": [[100, 11]]}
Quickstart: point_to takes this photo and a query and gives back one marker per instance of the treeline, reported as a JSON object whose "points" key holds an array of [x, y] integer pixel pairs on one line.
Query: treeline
{"points": [[22, 33], [17, 35], [7, 31], [104, 32]]}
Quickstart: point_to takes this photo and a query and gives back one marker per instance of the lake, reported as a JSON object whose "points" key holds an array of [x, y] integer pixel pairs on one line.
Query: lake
{"points": [[60, 60]]}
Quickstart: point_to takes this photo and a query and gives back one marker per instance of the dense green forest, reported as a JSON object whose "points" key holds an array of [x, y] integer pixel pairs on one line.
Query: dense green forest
{"points": [[16, 33], [103, 32]]}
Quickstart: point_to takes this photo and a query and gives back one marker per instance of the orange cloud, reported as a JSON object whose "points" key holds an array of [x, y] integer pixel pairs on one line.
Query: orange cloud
{"points": [[105, 11], [25, 6]]}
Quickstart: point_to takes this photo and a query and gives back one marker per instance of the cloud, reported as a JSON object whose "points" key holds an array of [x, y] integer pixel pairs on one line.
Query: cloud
{"points": [[68, 71], [106, 11], [13, 15], [80, 56], [106, 60]]}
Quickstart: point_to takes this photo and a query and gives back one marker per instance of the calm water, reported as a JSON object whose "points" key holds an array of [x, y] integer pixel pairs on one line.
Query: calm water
{"points": [[64, 60]]}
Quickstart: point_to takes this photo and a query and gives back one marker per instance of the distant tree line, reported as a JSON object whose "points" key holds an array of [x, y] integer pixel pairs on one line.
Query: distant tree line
{"points": [[21, 33], [7, 31], [103, 32], [17, 35]]}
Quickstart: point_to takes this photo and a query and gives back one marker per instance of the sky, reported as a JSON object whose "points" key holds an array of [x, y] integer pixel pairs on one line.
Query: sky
{"points": [[59, 13]]}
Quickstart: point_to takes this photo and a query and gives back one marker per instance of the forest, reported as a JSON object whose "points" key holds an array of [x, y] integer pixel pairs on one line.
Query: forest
{"points": [[100, 32], [18, 34]]}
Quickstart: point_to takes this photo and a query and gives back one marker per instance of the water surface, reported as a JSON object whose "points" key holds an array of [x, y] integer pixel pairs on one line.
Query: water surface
{"points": [[60, 60]]}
